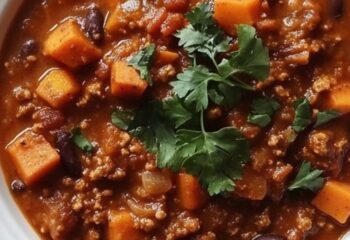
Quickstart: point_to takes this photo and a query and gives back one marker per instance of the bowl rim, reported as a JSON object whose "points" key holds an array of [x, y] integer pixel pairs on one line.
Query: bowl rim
{"points": [[13, 224]]}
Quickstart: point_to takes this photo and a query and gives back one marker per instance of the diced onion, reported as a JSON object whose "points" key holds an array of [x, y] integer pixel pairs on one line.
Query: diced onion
{"points": [[156, 183], [140, 210]]}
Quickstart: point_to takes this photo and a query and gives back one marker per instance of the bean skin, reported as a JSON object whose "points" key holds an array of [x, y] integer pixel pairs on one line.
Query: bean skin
{"points": [[93, 24], [68, 157], [336, 8], [18, 186], [269, 237], [29, 47]]}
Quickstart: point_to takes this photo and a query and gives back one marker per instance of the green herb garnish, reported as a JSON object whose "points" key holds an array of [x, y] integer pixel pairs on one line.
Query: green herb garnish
{"points": [[325, 117], [81, 141], [142, 61], [262, 111], [303, 115], [307, 178], [174, 129], [122, 118]]}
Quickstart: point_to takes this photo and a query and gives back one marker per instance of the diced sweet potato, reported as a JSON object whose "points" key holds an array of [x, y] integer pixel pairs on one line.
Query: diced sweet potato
{"points": [[58, 88], [68, 45], [33, 157], [121, 227], [228, 13], [334, 200], [122, 15], [126, 81], [189, 192], [339, 98], [164, 57], [252, 186]]}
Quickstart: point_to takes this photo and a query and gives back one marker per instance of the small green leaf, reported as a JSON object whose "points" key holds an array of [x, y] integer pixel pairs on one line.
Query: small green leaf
{"points": [[325, 117], [307, 178], [303, 115], [262, 111], [122, 118], [142, 61], [81, 141], [252, 57], [175, 111], [192, 86]]}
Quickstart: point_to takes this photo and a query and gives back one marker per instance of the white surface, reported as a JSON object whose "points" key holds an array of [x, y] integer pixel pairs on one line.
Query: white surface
{"points": [[13, 226]]}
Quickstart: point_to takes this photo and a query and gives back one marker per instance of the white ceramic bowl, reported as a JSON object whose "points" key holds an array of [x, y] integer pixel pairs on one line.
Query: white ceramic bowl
{"points": [[13, 225]]}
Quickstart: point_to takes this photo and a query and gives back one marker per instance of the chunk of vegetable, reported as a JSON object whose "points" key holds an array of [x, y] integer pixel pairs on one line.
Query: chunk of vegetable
{"points": [[164, 57], [121, 227], [228, 13], [156, 183], [126, 82], [58, 88], [189, 192], [33, 157], [334, 200], [252, 186], [68, 45], [122, 15], [339, 98]]}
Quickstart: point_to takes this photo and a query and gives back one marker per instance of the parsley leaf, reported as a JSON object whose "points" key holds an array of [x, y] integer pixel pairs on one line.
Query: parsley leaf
{"points": [[251, 58], [81, 141], [152, 127], [202, 35], [325, 116], [262, 111], [192, 85], [142, 60], [122, 118], [177, 112], [215, 157], [303, 115], [307, 178]]}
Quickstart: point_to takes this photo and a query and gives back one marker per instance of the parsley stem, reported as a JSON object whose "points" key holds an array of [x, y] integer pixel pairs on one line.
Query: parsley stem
{"points": [[202, 121], [212, 57]]}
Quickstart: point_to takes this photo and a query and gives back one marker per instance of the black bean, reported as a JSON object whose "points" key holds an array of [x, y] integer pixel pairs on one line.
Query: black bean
{"points": [[269, 237], [93, 24], [29, 47], [336, 8], [18, 186], [69, 159]]}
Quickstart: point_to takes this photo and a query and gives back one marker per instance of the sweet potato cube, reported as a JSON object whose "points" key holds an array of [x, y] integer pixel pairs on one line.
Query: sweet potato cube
{"points": [[339, 98], [190, 192], [164, 57], [68, 45], [334, 200], [58, 88], [126, 81], [121, 227], [129, 11], [228, 13], [33, 157]]}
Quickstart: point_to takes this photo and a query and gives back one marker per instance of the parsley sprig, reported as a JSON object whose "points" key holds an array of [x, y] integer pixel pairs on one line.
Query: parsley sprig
{"points": [[175, 129], [307, 178], [262, 111], [142, 60]]}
